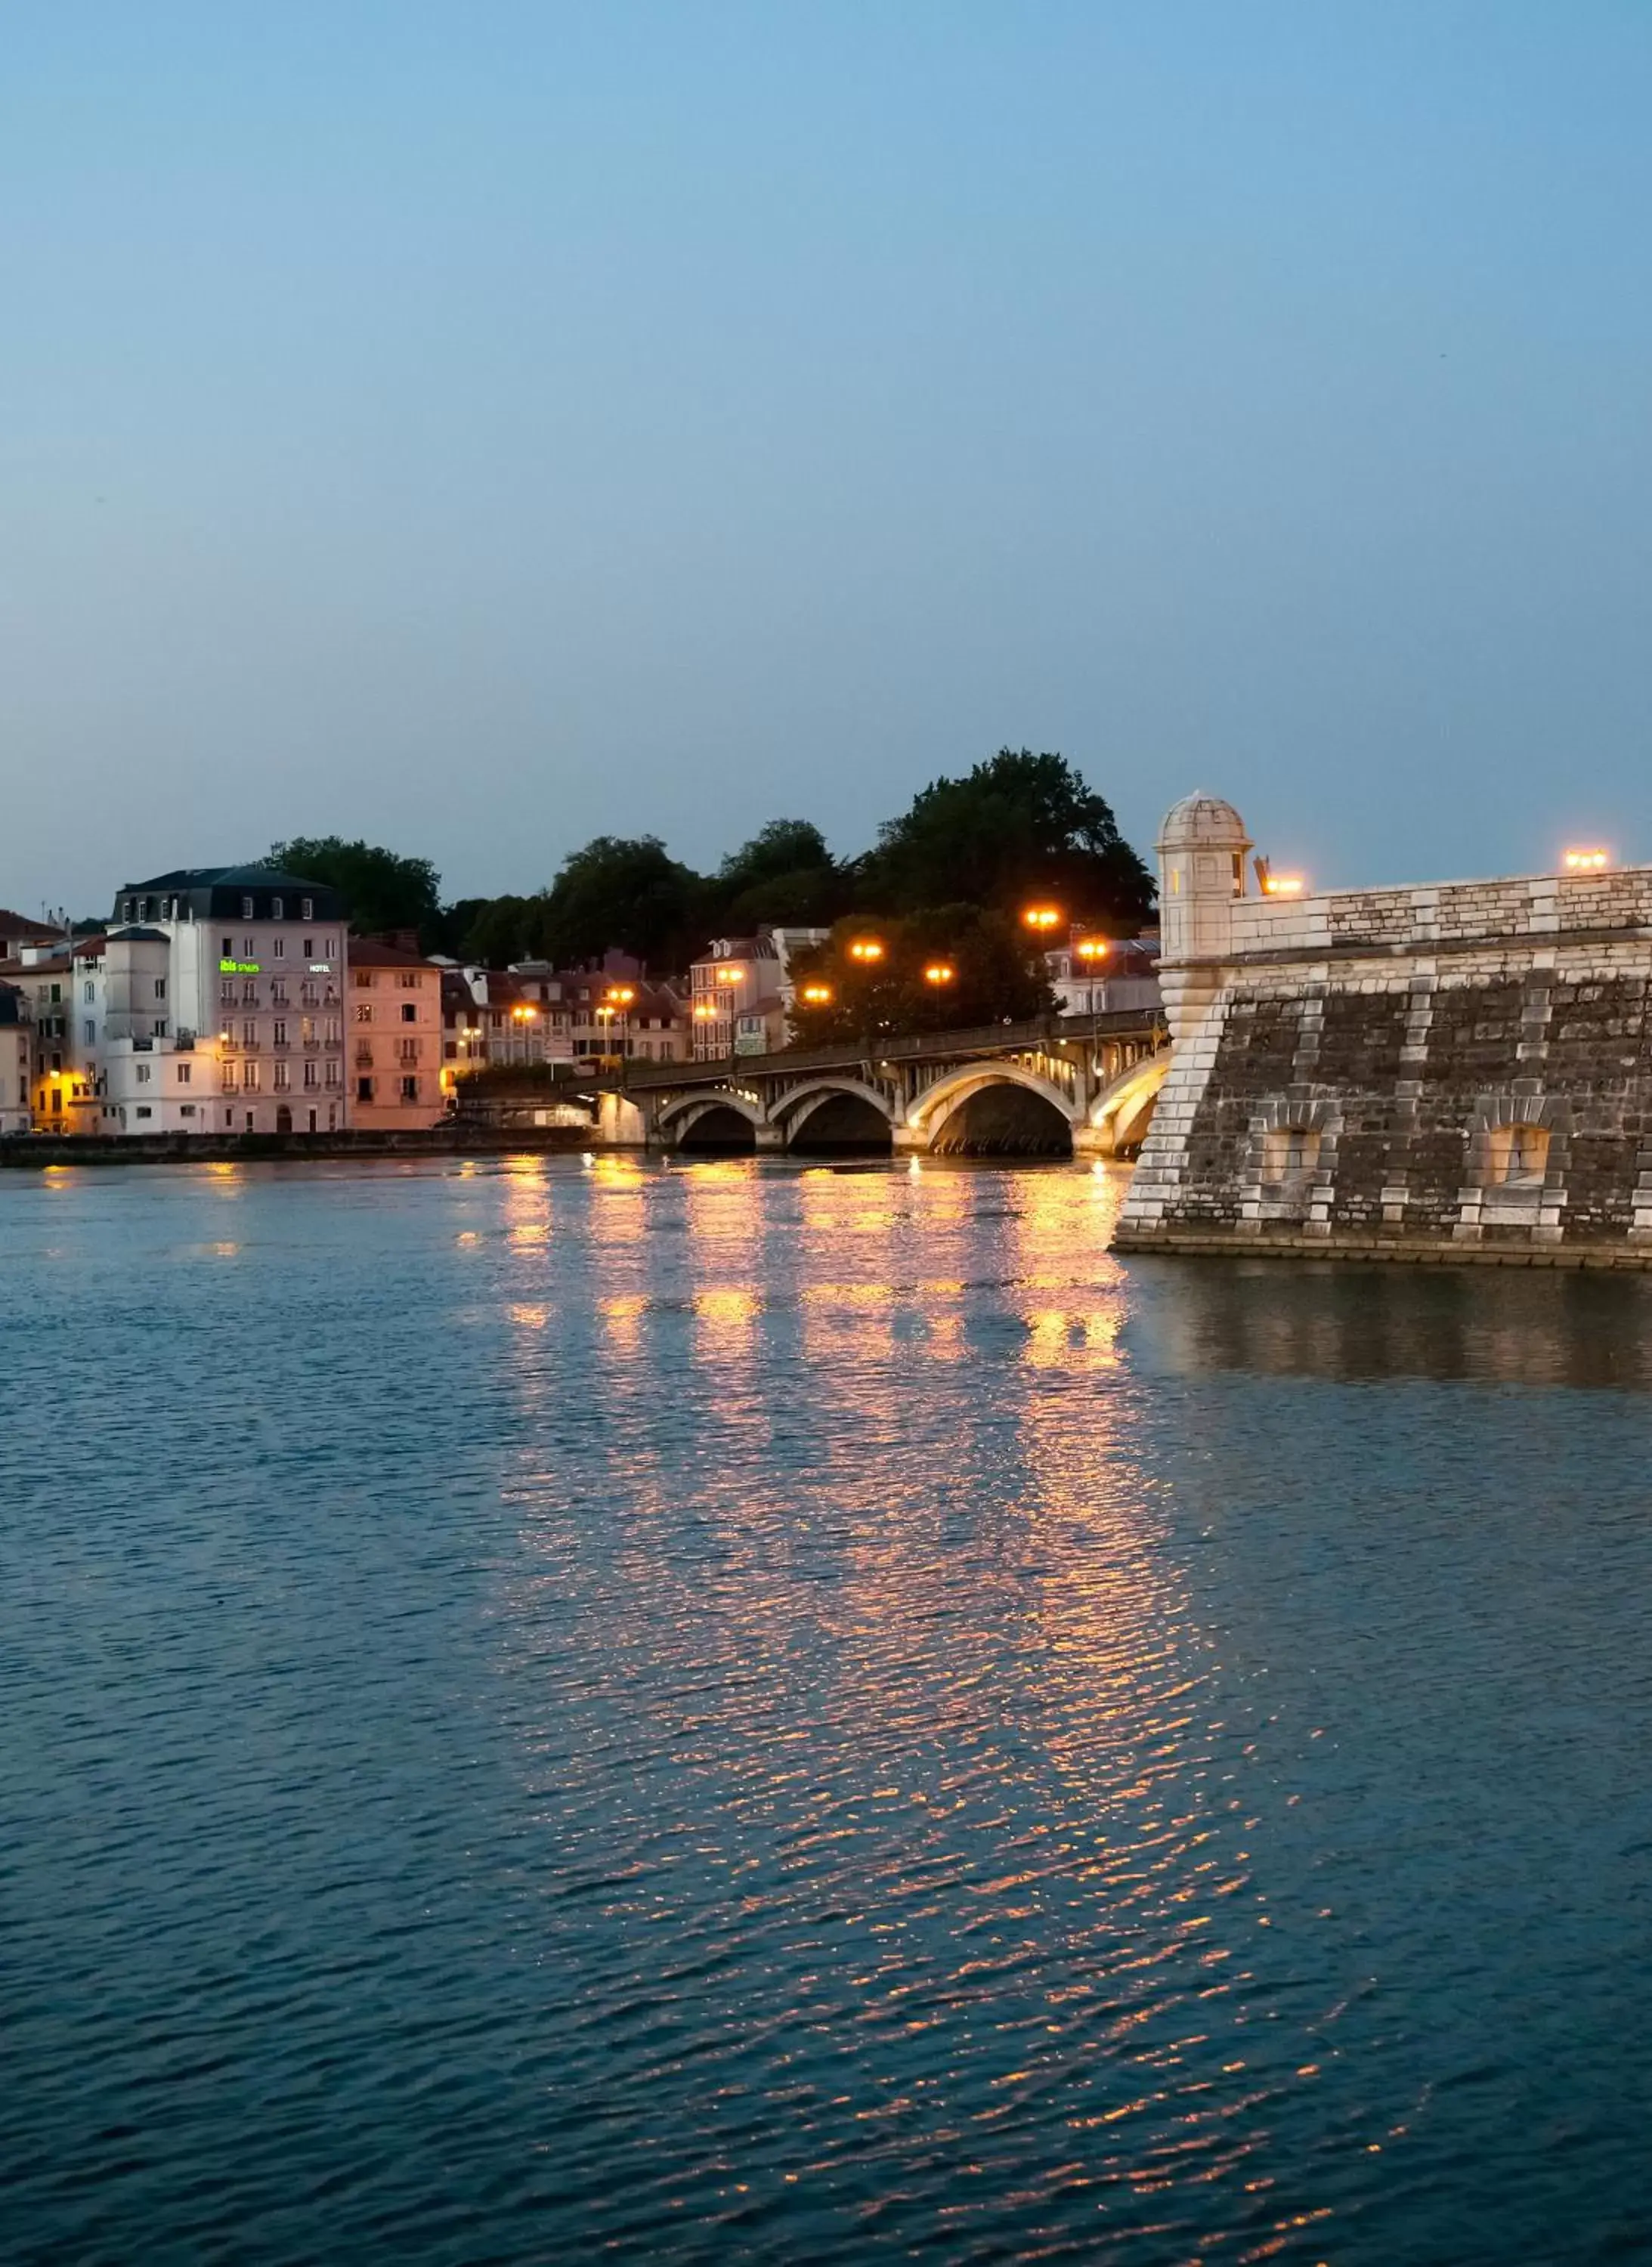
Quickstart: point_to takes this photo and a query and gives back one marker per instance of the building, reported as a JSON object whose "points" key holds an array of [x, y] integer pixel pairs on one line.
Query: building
{"points": [[1458, 1069], [19, 935], [740, 991], [15, 1062], [1093, 975], [62, 1073], [222, 991], [532, 1013], [395, 1038]]}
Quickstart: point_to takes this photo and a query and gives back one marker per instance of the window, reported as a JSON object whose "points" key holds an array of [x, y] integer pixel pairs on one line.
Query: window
{"points": [[334, 1030], [363, 1090], [280, 1033], [409, 1012], [363, 980], [306, 1030], [91, 1030], [408, 979], [160, 1031], [332, 945], [249, 1034], [144, 1110], [249, 948], [332, 1078], [277, 911], [306, 912], [126, 909], [226, 947], [313, 1073], [278, 947], [88, 992], [249, 994], [1519, 1155], [185, 1109], [450, 1049], [409, 1050], [160, 988], [363, 1012], [1289, 1155], [278, 992], [283, 1076], [409, 1089], [227, 992], [183, 1073], [142, 1073], [249, 1078], [246, 909], [227, 1078], [309, 942], [56, 994], [307, 994]]}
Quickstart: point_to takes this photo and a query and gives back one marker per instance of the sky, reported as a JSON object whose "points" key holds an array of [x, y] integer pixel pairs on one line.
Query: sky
{"points": [[482, 425]]}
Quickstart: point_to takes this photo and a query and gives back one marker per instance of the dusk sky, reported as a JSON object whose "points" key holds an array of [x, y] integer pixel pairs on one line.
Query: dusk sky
{"points": [[480, 426]]}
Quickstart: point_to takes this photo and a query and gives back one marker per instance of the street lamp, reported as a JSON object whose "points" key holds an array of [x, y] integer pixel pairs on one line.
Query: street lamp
{"points": [[1283, 885], [1587, 861], [816, 996], [1042, 919], [617, 1000], [1092, 949], [866, 948], [939, 972]]}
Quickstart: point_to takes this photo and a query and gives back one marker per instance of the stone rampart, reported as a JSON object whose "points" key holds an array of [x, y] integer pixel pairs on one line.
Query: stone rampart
{"points": [[1459, 1071]]}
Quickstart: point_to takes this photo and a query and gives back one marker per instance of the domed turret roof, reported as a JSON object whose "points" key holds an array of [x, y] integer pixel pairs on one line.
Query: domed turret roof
{"points": [[1202, 822]]}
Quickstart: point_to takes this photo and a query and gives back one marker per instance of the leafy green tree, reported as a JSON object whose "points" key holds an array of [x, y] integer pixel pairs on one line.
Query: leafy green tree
{"points": [[1018, 827], [785, 876], [626, 892], [994, 974], [384, 892]]}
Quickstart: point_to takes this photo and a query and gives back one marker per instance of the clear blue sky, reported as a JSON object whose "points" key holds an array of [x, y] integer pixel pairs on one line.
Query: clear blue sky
{"points": [[480, 425]]}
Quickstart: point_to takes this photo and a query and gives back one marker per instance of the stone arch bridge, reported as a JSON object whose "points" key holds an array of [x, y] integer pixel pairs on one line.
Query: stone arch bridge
{"points": [[1082, 1085]]}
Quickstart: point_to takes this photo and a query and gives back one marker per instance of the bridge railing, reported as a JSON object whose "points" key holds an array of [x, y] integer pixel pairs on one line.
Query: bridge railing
{"points": [[874, 1048]]}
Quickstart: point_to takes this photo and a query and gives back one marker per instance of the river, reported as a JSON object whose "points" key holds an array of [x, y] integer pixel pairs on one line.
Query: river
{"points": [[727, 1712]]}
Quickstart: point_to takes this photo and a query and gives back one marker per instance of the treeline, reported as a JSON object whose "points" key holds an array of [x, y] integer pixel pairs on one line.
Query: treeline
{"points": [[1015, 828]]}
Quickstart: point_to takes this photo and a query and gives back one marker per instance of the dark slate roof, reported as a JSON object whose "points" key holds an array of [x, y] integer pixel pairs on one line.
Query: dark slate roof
{"points": [[136, 936], [214, 893]]}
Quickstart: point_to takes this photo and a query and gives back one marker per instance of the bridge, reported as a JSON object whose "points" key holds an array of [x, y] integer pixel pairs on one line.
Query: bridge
{"points": [[1076, 1085]]}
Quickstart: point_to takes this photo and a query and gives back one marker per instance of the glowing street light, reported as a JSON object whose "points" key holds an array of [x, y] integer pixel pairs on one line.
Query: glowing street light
{"points": [[1589, 859], [728, 975], [939, 972], [1283, 885], [866, 948], [816, 996], [1042, 918], [1092, 948]]}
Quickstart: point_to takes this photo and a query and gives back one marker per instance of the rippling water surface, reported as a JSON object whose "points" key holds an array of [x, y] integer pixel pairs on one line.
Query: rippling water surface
{"points": [[731, 1713]]}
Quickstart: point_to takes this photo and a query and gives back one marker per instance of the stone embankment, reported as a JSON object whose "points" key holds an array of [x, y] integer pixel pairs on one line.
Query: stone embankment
{"points": [[1460, 1072], [36, 1150]]}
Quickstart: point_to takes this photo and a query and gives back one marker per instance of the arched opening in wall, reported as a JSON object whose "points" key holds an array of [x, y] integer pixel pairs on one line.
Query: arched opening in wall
{"points": [[1130, 1126], [284, 1119], [1519, 1155], [1289, 1155], [718, 1131], [844, 1125], [1004, 1120]]}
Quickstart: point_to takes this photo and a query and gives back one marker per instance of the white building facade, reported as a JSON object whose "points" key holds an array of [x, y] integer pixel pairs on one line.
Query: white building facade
{"points": [[222, 1005]]}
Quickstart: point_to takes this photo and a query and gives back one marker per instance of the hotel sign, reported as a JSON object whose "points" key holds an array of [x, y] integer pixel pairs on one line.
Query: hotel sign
{"points": [[240, 968]]}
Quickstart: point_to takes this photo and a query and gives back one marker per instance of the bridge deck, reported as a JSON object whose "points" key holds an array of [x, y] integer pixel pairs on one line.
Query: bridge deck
{"points": [[847, 1054]]}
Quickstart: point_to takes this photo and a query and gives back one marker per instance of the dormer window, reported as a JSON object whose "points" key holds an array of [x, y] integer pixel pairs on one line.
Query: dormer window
{"points": [[306, 908], [246, 909], [276, 912], [126, 909]]}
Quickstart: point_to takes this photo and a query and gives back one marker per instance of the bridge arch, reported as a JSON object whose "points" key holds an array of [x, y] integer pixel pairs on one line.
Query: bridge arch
{"points": [[947, 1103], [680, 1117], [859, 1115], [1123, 1109]]}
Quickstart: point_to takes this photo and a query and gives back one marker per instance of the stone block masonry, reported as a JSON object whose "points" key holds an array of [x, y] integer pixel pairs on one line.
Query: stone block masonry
{"points": [[1460, 1072]]}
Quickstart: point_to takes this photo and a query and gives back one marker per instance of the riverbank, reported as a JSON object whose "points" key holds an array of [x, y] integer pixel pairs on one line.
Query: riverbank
{"points": [[38, 1150]]}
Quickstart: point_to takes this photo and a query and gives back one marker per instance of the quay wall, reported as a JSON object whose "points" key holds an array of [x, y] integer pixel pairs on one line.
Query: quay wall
{"points": [[34, 1151], [1460, 1071]]}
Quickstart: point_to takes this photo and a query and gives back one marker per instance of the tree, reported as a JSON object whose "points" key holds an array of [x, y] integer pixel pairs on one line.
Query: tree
{"points": [[1016, 827], [784, 876], [630, 893], [383, 891], [994, 974]]}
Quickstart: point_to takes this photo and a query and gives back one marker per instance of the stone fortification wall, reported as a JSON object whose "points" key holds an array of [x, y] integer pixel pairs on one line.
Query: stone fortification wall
{"points": [[1462, 1071]]}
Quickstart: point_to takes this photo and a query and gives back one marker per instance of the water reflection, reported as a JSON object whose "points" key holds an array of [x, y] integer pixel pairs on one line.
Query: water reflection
{"points": [[1505, 1327]]}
